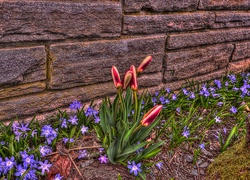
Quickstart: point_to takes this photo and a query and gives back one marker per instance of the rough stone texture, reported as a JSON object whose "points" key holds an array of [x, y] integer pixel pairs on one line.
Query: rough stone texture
{"points": [[149, 80], [239, 66], [211, 37], [51, 100], [175, 85], [150, 24], [242, 51], [160, 5], [22, 65], [231, 19], [224, 4], [88, 63], [27, 20], [198, 61], [22, 89]]}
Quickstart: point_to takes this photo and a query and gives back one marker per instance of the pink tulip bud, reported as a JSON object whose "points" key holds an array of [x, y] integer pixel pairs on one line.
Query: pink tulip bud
{"points": [[144, 64], [116, 77], [151, 115], [133, 83], [127, 79]]}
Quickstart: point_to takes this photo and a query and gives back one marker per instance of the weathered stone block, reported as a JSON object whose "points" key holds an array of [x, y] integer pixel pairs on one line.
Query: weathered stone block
{"points": [[231, 19], [33, 20], [160, 5], [148, 80], [22, 65], [22, 89], [90, 62], [148, 24], [198, 61], [242, 51], [39, 103], [239, 66], [211, 37], [175, 85], [225, 4]]}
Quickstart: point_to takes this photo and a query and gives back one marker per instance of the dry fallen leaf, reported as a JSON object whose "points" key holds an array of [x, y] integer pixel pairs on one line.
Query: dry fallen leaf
{"points": [[61, 166]]}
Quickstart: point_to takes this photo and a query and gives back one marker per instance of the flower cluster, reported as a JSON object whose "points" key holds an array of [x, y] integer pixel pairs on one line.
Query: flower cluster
{"points": [[49, 133]]}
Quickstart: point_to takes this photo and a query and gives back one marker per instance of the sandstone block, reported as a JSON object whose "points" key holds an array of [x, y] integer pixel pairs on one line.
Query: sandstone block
{"points": [[210, 37], [160, 5], [90, 62], [149, 24], [23, 89], [239, 66], [175, 85], [46, 20], [149, 80], [198, 61], [38, 103], [231, 19], [22, 65], [242, 51], [225, 4]]}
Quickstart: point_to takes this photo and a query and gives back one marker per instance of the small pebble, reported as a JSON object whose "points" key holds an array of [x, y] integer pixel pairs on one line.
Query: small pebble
{"points": [[202, 172], [194, 172], [86, 163], [199, 162], [189, 158], [204, 165]]}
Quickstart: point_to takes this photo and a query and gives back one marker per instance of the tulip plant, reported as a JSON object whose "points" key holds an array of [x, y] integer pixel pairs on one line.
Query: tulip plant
{"points": [[124, 133]]}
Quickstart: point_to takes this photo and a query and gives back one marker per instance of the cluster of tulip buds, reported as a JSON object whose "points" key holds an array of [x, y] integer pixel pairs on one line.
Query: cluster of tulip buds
{"points": [[130, 77]]}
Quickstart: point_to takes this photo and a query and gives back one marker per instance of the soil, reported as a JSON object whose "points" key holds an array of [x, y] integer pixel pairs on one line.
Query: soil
{"points": [[178, 163]]}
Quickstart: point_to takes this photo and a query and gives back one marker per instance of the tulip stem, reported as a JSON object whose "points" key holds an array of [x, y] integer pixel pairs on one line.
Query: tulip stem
{"points": [[136, 106], [136, 129], [120, 97]]}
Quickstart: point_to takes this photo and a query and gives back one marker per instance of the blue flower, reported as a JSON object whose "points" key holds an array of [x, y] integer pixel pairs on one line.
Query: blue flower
{"points": [[134, 168], [44, 166], [90, 111], [49, 133], [232, 78], [82, 154], [218, 83], [202, 146], [233, 110], [73, 120], [84, 129], [174, 97], [103, 159], [64, 123], [159, 165], [185, 91], [96, 119], [217, 119], [20, 170], [44, 150], [192, 95], [186, 132], [75, 105], [9, 162], [65, 140], [168, 90], [58, 177], [24, 127]]}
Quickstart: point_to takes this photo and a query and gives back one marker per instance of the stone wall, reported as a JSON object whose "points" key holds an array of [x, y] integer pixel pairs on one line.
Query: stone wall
{"points": [[55, 51]]}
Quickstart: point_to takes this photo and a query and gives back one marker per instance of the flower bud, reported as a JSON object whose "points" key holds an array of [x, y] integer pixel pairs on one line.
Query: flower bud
{"points": [[144, 64], [127, 79], [116, 77], [133, 83], [151, 115]]}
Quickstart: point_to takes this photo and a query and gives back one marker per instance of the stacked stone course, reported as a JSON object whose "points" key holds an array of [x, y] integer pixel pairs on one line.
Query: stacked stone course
{"points": [[55, 51]]}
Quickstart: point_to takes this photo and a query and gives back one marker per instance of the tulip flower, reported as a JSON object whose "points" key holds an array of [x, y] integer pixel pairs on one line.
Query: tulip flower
{"points": [[144, 64], [151, 115], [133, 83], [116, 77], [127, 79]]}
